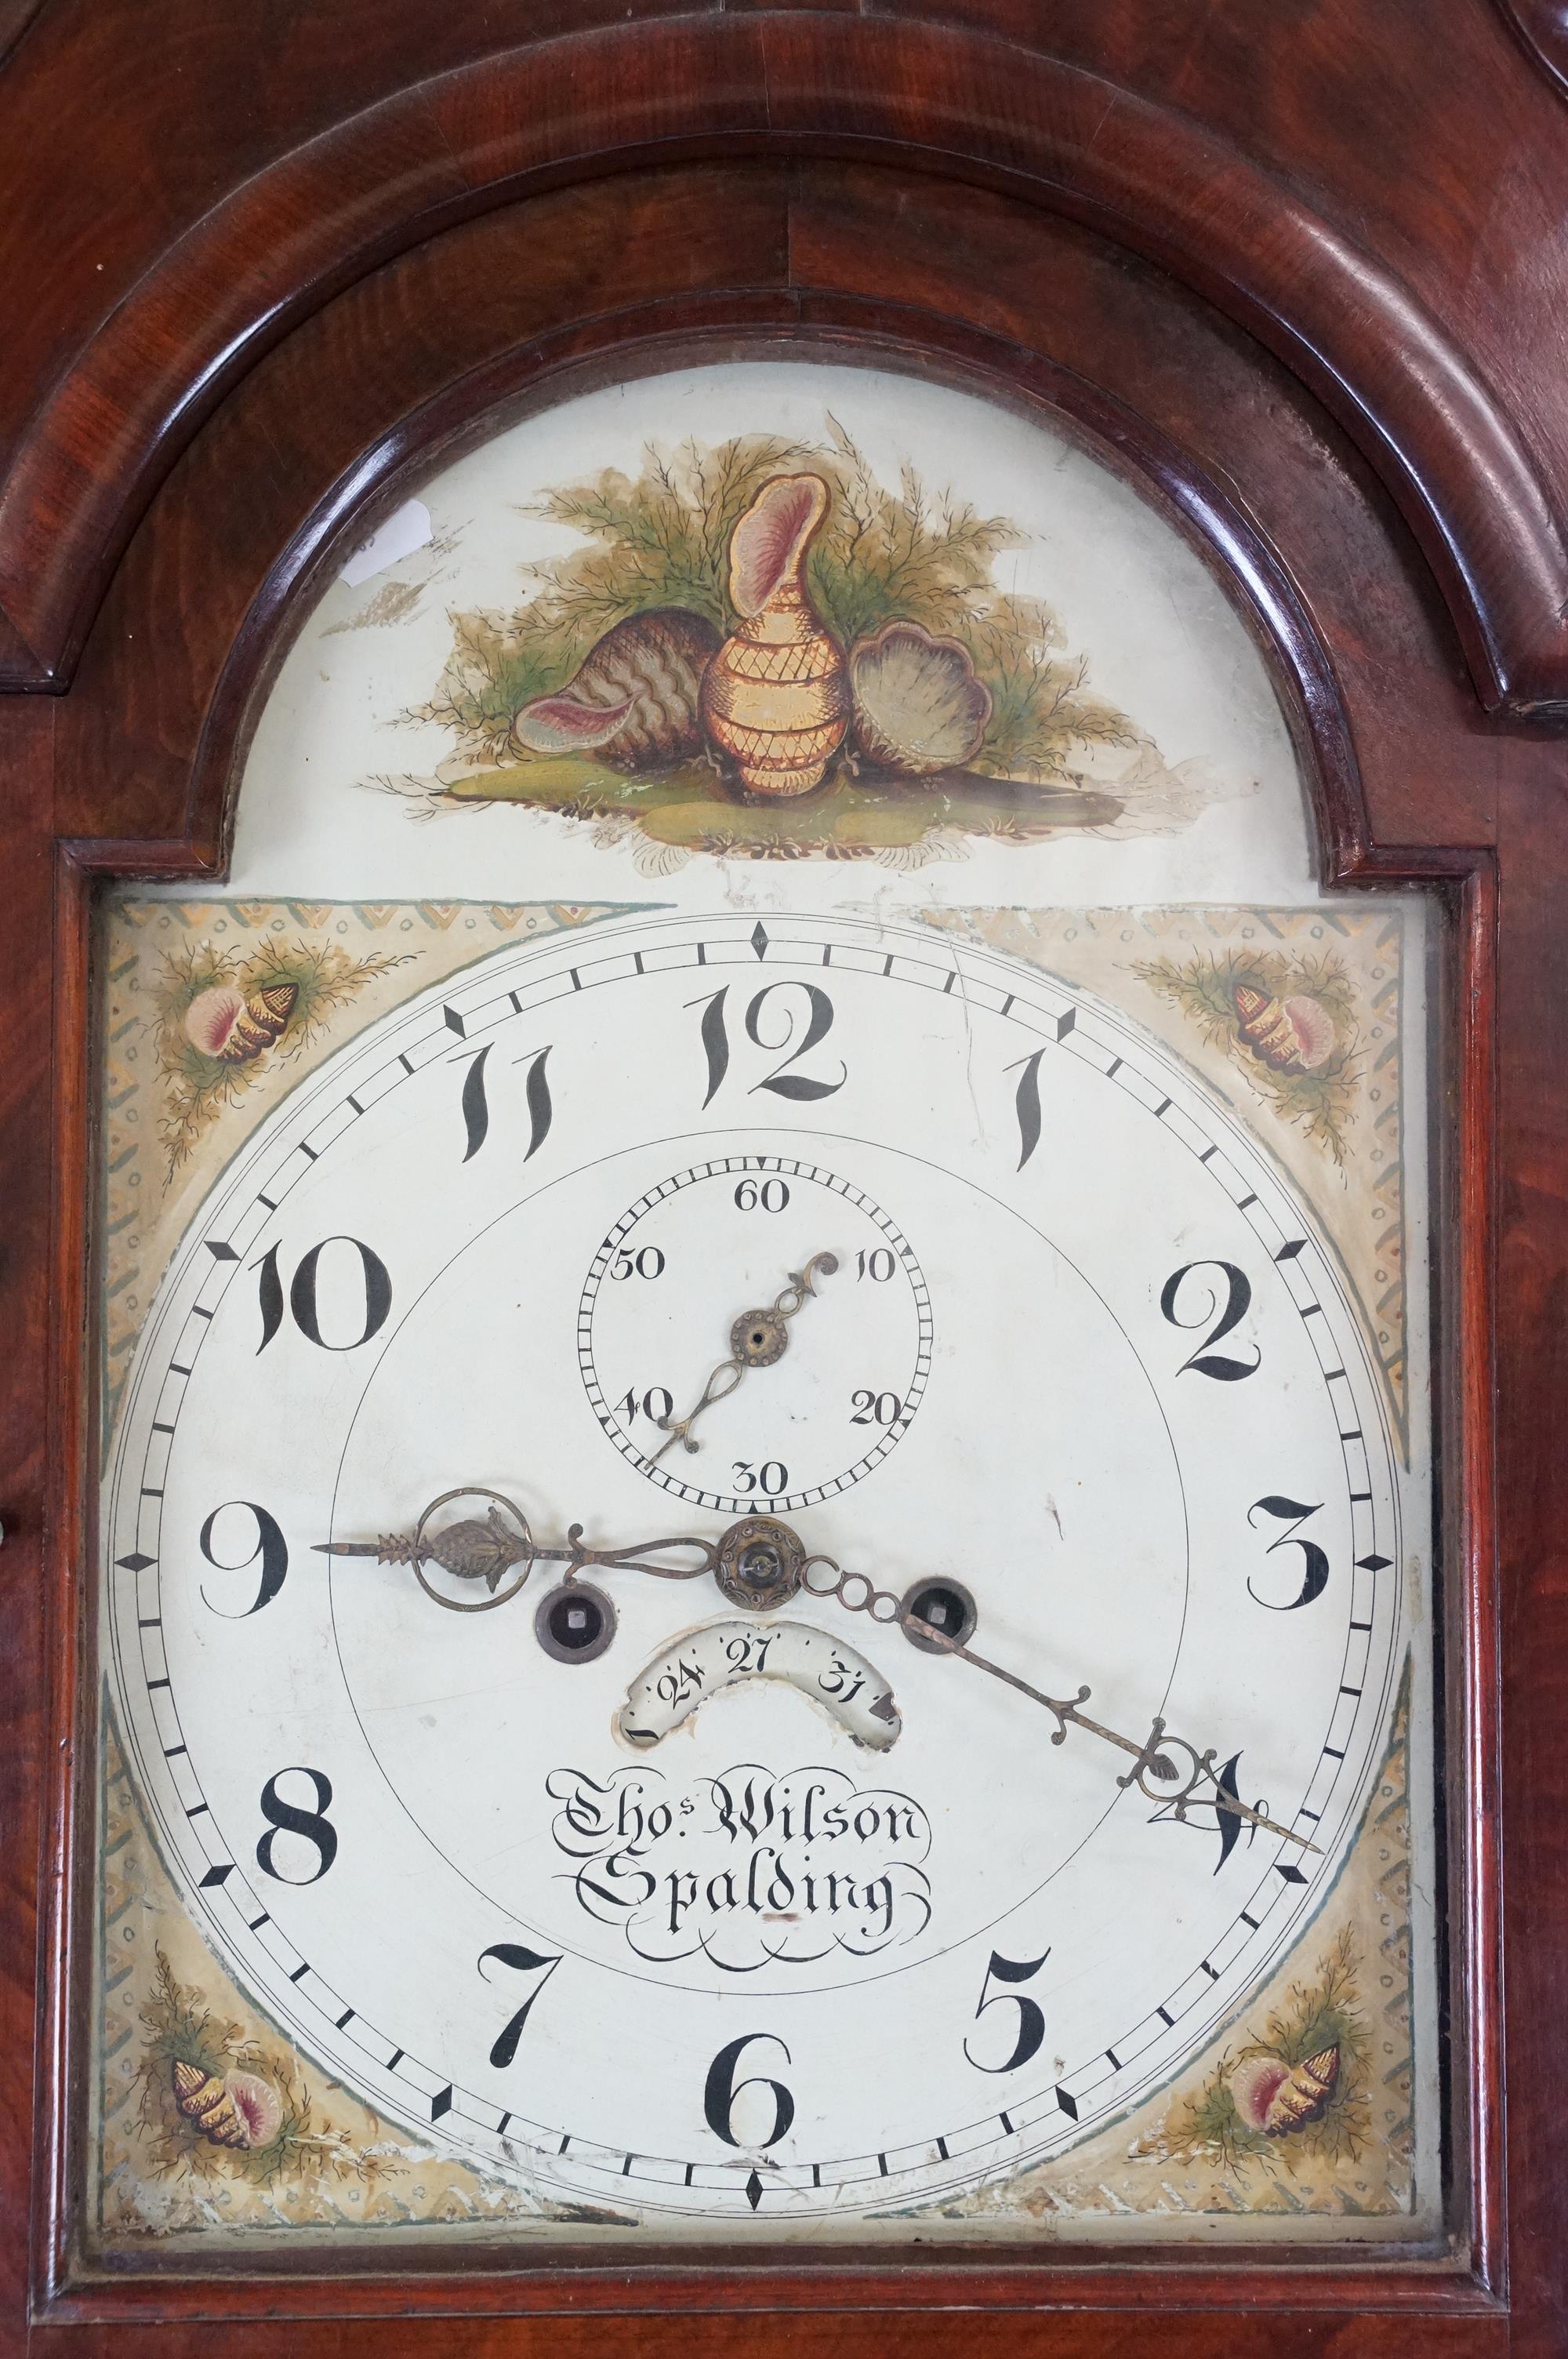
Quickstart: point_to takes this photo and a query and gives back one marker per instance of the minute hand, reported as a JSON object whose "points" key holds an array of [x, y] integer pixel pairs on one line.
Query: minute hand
{"points": [[1151, 1759]]}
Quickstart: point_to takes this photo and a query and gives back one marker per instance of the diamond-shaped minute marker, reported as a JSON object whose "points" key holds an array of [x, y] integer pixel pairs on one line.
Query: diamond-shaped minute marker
{"points": [[760, 938], [137, 1563], [753, 2184]]}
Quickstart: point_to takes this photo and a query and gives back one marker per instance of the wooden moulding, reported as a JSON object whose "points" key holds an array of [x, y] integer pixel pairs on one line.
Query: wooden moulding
{"points": [[797, 83], [233, 545], [1540, 27]]}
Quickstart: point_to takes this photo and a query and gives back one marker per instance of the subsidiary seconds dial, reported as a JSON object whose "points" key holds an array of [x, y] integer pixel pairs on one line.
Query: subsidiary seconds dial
{"points": [[754, 1329]]}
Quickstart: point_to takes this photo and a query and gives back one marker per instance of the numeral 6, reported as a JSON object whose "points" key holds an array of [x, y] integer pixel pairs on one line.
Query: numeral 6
{"points": [[721, 2089]]}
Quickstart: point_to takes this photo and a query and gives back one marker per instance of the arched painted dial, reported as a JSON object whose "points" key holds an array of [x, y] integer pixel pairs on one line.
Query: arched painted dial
{"points": [[1137, 1442]]}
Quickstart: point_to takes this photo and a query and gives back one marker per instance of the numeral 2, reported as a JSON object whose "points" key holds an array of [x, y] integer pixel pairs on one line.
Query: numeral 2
{"points": [[1206, 1361]]}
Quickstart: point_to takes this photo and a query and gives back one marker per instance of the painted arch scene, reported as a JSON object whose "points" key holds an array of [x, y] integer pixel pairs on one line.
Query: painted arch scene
{"points": [[758, 647]]}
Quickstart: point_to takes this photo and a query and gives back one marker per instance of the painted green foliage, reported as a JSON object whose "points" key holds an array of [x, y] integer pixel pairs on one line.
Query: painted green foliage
{"points": [[1287, 1021], [214, 2102], [1299, 2088], [222, 1015], [977, 671]]}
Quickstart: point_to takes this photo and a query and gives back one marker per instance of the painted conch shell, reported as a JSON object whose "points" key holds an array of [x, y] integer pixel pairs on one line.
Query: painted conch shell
{"points": [[1294, 1035], [1276, 2097], [633, 698], [918, 705], [776, 696], [241, 2110], [224, 1021]]}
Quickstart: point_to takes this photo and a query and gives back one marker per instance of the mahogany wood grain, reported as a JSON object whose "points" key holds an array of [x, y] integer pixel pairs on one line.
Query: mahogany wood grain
{"points": [[281, 466], [27, 993], [802, 81], [1134, 2333], [1542, 26], [332, 241]]}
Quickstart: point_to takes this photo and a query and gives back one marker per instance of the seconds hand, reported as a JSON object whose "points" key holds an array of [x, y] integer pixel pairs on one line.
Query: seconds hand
{"points": [[757, 1339]]}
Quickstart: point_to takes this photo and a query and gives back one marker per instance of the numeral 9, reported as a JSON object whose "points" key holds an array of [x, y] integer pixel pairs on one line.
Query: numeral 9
{"points": [[271, 1548]]}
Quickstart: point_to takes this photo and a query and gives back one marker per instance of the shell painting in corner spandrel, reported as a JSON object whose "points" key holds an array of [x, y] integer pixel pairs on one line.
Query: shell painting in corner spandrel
{"points": [[222, 1015], [761, 649]]}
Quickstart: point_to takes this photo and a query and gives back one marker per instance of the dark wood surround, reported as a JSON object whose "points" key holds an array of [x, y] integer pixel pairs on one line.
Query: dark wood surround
{"points": [[1299, 274]]}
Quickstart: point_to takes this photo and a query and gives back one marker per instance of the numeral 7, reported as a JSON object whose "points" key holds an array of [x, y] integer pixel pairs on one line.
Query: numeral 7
{"points": [[513, 1953]]}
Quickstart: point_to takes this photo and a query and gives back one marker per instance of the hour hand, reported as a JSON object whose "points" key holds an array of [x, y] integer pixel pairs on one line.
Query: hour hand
{"points": [[498, 1547], [757, 1338]]}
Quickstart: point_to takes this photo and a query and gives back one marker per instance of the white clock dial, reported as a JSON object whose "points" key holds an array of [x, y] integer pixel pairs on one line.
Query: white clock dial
{"points": [[632, 1886]]}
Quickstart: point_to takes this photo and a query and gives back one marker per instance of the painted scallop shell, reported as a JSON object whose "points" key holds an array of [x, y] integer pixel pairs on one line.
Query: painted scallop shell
{"points": [[918, 705], [224, 1021], [1293, 1035], [1277, 2098], [776, 696], [633, 698]]}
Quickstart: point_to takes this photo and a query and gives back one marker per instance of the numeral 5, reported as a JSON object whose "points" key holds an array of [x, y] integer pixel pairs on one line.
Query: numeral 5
{"points": [[1030, 2029]]}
